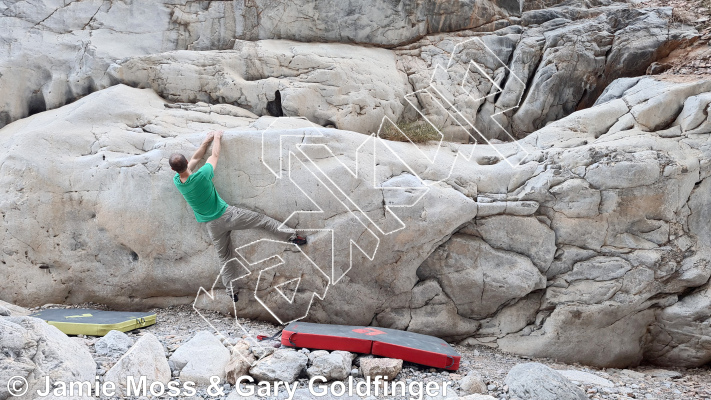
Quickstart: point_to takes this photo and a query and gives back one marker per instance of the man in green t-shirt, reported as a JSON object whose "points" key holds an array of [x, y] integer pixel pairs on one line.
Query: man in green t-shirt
{"points": [[221, 219]]}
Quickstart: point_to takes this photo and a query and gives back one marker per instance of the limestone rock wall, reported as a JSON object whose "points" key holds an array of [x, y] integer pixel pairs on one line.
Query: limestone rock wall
{"points": [[617, 238], [521, 70], [471, 85], [54, 52], [597, 238], [346, 86]]}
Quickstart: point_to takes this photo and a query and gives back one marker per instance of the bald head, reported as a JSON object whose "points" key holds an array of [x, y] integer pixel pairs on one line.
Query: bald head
{"points": [[178, 163]]}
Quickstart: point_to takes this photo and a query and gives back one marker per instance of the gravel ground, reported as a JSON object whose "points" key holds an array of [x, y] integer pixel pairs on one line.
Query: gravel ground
{"points": [[176, 325]]}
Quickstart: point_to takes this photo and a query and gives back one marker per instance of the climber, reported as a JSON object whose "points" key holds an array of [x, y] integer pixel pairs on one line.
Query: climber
{"points": [[221, 219]]}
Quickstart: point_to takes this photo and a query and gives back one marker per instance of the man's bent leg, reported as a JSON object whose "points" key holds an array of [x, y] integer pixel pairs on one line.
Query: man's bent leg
{"points": [[230, 268], [246, 219]]}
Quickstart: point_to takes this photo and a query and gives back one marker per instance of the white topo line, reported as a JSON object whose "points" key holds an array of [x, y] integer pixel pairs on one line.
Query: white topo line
{"points": [[344, 200]]}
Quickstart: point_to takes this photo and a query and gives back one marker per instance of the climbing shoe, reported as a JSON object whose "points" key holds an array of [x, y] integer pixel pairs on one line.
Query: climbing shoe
{"points": [[234, 296], [298, 240]]}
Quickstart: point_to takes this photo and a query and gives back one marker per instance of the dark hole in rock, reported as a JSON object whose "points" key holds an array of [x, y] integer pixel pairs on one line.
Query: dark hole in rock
{"points": [[4, 118], [274, 106], [134, 256], [37, 104]]}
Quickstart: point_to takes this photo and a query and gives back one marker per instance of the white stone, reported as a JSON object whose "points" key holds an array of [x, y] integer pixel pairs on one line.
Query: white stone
{"points": [[348, 86], [536, 381], [11, 310], [284, 365], [201, 358], [383, 367], [241, 360], [113, 344], [35, 350], [586, 378], [80, 41], [473, 383], [146, 358], [663, 373], [332, 366]]}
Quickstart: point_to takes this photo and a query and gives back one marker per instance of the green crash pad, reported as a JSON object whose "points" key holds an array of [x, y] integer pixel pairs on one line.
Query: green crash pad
{"points": [[82, 321]]}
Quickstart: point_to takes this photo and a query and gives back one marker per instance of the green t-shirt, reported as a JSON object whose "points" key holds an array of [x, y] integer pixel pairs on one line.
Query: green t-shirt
{"points": [[201, 194]]}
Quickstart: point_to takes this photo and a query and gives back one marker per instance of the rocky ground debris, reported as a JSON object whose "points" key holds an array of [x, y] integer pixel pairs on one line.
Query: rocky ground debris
{"points": [[485, 373]]}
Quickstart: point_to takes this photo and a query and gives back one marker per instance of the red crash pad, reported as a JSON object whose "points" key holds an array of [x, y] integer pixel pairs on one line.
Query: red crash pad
{"points": [[392, 343]]}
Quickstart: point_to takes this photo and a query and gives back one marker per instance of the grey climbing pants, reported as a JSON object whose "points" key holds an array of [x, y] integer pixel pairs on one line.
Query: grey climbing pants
{"points": [[236, 218]]}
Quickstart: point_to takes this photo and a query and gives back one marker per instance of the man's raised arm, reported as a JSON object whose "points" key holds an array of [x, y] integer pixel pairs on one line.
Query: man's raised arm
{"points": [[200, 152], [215, 150]]}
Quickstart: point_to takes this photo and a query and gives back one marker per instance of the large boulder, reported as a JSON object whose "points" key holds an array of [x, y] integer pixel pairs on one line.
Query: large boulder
{"points": [[37, 351], [168, 263], [614, 195]]}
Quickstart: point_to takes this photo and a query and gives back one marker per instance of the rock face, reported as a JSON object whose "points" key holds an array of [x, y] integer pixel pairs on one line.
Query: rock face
{"points": [[226, 53], [284, 365], [201, 358], [380, 22], [347, 86], [530, 66], [600, 231], [536, 381], [479, 278], [55, 52], [145, 359], [690, 316], [35, 350], [429, 77]]}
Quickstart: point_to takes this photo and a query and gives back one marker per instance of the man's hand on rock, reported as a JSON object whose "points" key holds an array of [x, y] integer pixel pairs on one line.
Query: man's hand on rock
{"points": [[218, 134], [208, 138]]}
